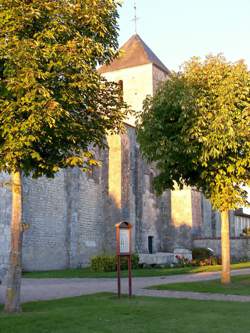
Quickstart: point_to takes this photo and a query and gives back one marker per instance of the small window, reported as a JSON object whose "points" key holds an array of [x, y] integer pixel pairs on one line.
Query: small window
{"points": [[150, 244], [120, 84]]}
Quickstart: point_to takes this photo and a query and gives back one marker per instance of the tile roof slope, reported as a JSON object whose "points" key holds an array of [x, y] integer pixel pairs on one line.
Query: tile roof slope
{"points": [[134, 53]]}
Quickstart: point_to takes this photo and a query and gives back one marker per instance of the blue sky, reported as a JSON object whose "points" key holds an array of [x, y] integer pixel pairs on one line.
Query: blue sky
{"points": [[179, 29]]}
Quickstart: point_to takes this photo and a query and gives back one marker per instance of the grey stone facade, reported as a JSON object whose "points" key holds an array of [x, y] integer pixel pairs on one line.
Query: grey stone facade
{"points": [[210, 233], [239, 246], [72, 216], [5, 216]]}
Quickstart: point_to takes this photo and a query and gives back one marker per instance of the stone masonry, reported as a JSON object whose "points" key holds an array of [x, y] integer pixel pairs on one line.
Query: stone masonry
{"points": [[72, 216]]}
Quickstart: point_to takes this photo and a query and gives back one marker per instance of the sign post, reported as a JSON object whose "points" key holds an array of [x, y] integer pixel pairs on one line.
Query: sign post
{"points": [[123, 248]]}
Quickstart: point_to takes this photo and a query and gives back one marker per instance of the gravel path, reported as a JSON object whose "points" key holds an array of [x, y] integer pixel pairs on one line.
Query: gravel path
{"points": [[45, 289]]}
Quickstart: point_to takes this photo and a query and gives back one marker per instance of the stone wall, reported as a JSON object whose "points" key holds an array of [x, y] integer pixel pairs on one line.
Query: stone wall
{"points": [[158, 77], [136, 202], [153, 212], [44, 209], [87, 227], [240, 247], [5, 216], [72, 216], [66, 220], [180, 229]]}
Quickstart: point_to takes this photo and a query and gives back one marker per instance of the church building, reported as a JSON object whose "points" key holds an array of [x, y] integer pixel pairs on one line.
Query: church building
{"points": [[72, 217]]}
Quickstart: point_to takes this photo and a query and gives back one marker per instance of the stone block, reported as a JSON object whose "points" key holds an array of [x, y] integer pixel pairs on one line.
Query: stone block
{"points": [[160, 258], [183, 253]]}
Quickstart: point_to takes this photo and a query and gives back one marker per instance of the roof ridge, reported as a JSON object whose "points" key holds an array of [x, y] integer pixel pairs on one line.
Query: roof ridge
{"points": [[142, 45], [137, 53]]}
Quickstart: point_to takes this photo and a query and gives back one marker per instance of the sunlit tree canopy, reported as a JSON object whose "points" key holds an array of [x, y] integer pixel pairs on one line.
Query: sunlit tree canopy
{"points": [[197, 130], [53, 102]]}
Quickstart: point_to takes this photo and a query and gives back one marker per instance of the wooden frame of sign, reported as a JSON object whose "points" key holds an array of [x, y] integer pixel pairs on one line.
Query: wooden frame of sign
{"points": [[123, 248]]}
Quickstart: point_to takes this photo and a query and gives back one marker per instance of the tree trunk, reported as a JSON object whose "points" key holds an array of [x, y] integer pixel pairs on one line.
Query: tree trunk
{"points": [[12, 303], [225, 248]]}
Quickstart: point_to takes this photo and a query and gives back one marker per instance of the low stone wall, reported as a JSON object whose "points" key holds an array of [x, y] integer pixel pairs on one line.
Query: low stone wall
{"points": [[160, 258], [240, 246], [164, 258]]}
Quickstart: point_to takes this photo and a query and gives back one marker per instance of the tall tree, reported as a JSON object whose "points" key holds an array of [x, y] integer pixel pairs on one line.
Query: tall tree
{"points": [[53, 103], [197, 130]]}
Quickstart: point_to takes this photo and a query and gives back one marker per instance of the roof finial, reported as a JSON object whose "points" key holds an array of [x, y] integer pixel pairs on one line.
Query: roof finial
{"points": [[135, 19]]}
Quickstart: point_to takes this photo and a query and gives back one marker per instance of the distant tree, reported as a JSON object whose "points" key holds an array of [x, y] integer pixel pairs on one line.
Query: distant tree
{"points": [[197, 130], [53, 102]]}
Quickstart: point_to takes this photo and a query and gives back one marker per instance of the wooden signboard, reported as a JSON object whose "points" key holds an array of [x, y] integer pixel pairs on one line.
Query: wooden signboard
{"points": [[123, 248]]}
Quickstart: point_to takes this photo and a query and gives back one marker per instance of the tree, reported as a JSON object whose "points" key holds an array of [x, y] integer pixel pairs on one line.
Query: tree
{"points": [[197, 130], [54, 104]]}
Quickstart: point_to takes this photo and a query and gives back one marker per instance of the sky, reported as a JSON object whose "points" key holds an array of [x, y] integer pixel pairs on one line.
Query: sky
{"points": [[176, 30]]}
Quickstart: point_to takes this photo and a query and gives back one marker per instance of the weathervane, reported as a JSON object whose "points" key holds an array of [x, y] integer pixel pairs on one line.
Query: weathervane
{"points": [[135, 19]]}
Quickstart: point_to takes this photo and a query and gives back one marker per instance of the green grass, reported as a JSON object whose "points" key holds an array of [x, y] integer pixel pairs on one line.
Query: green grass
{"points": [[104, 313], [240, 285], [87, 273]]}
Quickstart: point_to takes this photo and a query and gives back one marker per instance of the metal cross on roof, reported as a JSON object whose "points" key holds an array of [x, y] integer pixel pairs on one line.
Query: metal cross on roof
{"points": [[136, 18]]}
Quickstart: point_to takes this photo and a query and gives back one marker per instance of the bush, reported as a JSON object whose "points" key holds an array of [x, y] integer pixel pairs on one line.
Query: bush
{"points": [[182, 261], [246, 232], [107, 263], [215, 260], [103, 263], [134, 262], [201, 253]]}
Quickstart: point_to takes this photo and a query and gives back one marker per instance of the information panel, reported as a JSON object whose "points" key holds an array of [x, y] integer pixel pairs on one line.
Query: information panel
{"points": [[124, 241]]}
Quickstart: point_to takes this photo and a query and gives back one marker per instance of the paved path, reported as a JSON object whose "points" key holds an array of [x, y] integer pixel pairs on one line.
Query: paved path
{"points": [[44, 289]]}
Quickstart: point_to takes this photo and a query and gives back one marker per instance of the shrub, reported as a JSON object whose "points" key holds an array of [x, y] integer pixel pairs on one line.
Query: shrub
{"points": [[246, 232], [107, 263], [201, 253], [134, 262], [182, 261], [215, 261], [103, 263]]}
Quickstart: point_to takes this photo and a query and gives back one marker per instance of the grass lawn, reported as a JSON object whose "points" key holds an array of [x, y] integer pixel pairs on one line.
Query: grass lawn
{"points": [[240, 285], [87, 273], [104, 313]]}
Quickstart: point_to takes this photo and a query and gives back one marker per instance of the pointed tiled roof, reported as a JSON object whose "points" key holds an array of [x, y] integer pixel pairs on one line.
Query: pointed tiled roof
{"points": [[134, 53]]}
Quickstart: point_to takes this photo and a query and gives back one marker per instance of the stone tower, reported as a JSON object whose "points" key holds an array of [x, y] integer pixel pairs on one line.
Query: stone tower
{"points": [[139, 71]]}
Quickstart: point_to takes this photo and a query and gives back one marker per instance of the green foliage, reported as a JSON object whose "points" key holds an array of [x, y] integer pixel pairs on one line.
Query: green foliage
{"points": [[246, 232], [54, 105], [134, 261], [103, 263], [201, 253], [197, 130], [107, 263]]}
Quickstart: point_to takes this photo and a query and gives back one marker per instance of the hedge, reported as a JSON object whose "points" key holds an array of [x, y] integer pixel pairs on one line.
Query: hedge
{"points": [[107, 263]]}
